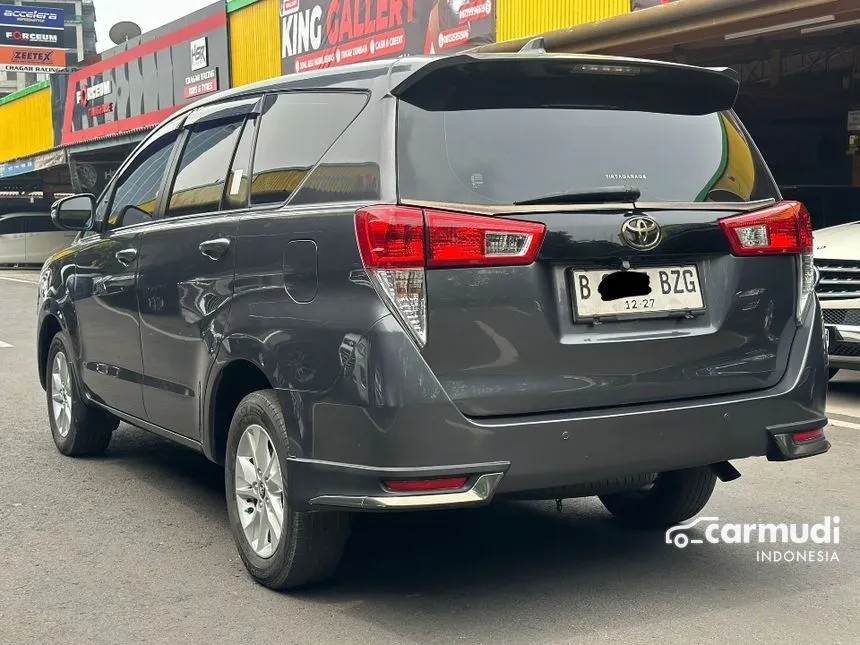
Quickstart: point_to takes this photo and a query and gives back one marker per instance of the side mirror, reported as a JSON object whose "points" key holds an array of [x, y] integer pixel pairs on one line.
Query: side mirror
{"points": [[73, 213]]}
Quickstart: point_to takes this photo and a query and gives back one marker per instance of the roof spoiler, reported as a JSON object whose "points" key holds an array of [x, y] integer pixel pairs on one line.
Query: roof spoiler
{"points": [[711, 89], [534, 46]]}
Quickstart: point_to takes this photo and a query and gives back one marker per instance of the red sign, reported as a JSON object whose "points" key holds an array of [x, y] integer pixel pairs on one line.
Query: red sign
{"points": [[202, 83], [98, 110], [384, 45], [199, 89], [329, 33]]}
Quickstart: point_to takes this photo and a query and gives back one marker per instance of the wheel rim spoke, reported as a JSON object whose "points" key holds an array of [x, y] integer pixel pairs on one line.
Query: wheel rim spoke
{"points": [[262, 529], [275, 514], [245, 473]]}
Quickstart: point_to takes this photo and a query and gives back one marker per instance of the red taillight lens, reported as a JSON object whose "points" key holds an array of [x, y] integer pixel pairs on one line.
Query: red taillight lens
{"points": [[809, 435], [459, 240], [785, 228], [425, 485], [390, 236]]}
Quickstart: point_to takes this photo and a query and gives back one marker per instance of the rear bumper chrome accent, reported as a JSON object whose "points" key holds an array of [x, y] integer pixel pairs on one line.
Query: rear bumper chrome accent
{"points": [[480, 492]]}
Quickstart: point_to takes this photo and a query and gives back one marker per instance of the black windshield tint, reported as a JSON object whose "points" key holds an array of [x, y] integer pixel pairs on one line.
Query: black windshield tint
{"points": [[502, 156]]}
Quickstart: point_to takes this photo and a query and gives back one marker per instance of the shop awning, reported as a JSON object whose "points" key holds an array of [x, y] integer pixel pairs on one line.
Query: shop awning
{"points": [[34, 163], [698, 24]]}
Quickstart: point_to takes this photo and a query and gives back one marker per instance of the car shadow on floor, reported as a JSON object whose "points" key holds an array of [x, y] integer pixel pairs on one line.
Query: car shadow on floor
{"points": [[448, 575]]}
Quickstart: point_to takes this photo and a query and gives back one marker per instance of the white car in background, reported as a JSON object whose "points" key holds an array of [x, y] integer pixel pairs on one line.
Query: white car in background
{"points": [[30, 238], [837, 258]]}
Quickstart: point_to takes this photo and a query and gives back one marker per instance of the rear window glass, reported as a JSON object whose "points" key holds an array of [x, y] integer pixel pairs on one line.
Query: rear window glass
{"points": [[505, 155]]}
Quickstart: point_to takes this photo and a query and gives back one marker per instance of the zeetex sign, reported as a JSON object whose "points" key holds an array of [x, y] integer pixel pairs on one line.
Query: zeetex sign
{"points": [[21, 59]]}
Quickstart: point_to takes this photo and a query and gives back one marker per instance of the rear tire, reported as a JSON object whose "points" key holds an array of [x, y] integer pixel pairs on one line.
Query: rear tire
{"points": [[674, 497], [78, 428], [303, 548]]}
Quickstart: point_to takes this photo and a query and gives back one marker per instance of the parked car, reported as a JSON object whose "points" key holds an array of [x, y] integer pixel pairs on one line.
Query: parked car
{"points": [[837, 259], [30, 238], [433, 282]]}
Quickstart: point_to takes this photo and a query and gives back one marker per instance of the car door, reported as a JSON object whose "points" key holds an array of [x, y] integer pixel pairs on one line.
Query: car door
{"points": [[186, 263], [12, 248], [105, 299], [43, 239]]}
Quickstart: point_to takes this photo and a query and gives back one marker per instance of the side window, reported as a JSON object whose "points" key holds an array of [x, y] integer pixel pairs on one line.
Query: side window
{"points": [[11, 225], [39, 224], [203, 167], [238, 182], [296, 129], [136, 196]]}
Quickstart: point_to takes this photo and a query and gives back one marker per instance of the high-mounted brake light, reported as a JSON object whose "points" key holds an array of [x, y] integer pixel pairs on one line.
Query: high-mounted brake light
{"points": [[782, 229], [397, 244]]}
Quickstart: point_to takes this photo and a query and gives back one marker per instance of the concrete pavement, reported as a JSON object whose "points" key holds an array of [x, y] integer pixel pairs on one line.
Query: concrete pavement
{"points": [[135, 547]]}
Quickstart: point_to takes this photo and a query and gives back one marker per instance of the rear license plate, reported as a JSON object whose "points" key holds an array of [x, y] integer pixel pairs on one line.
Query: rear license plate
{"points": [[641, 293]]}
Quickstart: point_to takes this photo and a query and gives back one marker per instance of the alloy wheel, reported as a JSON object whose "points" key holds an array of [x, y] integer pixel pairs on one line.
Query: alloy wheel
{"points": [[259, 490], [61, 394]]}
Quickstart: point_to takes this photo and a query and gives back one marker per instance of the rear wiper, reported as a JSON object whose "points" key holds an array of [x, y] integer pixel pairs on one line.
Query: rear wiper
{"points": [[588, 196]]}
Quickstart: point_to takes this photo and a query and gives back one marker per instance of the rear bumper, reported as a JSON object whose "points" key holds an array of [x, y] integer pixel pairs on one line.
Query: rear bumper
{"points": [[399, 424]]}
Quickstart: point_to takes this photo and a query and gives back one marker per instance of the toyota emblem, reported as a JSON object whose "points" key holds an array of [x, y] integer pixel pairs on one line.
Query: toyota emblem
{"points": [[641, 233]]}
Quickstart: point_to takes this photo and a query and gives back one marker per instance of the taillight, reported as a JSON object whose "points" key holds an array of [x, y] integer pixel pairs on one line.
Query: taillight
{"points": [[782, 229], [397, 244], [458, 240]]}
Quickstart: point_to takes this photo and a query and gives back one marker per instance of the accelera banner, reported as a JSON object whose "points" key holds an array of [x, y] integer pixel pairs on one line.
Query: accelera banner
{"points": [[29, 16], [328, 33], [144, 84], [25, 59]]}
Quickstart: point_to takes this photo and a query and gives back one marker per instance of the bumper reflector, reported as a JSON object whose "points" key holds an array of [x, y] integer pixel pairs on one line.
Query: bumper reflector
{"points": [[809, 435], [425, 485]]}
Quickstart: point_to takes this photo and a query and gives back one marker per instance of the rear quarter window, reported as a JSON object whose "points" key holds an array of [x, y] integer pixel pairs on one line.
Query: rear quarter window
{"points": [[296, 129]]}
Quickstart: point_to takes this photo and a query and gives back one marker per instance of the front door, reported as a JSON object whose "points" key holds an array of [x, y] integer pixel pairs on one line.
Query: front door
{"points": [[105, 294], [186, 266]]}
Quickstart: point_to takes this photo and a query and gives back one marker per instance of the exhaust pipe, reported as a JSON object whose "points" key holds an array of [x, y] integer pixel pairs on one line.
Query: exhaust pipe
{"points": [[725, 472]]}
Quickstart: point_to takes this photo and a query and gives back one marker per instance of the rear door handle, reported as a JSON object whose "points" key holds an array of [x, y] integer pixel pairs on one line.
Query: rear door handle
{"points": [[215, 249], [126, 256]]}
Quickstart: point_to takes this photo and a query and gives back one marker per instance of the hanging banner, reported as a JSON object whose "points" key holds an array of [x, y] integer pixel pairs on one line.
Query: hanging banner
{"points": [[329, 33], [31, 37], [29, 16], [26, 59]]}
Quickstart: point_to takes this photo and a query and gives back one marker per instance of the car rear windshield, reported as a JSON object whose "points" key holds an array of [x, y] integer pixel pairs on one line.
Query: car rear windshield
{"points": [[506, 155]]}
